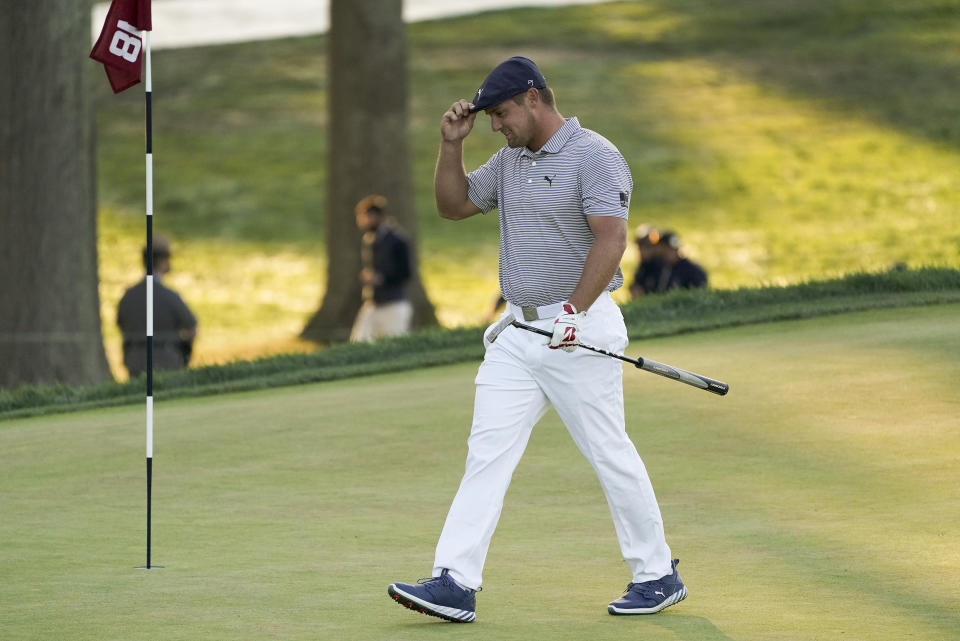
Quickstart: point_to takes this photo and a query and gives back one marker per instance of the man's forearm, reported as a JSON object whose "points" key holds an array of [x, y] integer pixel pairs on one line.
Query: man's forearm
{"points": [[450, 180], [598, 270]]}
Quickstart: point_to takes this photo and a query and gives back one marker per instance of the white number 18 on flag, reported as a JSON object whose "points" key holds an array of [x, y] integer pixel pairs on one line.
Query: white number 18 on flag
{"points": [[126, 41]]}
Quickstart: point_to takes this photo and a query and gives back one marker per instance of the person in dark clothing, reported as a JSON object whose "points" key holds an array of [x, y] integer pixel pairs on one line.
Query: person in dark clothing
{"points": [[385, 260], [174, 325], [662, 266]]}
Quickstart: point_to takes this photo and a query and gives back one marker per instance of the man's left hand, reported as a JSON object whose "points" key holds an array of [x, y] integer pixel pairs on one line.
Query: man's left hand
{"points": [[566, 329]]}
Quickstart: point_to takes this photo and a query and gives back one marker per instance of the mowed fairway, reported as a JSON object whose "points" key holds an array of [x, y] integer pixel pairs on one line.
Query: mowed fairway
{"points": [[819, 500]]}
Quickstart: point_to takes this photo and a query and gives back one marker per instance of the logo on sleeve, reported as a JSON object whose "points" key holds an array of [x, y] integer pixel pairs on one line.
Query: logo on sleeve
{"points": [[624, 199]]}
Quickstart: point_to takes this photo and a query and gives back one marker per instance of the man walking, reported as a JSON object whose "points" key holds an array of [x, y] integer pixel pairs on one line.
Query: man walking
{"points": [[563, 194]]}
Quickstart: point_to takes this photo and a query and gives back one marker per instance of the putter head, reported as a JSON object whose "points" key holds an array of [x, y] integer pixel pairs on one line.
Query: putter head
{"points": [[501, 325]]}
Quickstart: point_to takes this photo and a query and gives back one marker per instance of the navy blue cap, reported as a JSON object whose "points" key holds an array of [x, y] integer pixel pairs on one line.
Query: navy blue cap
{"points": [[508, 79]]}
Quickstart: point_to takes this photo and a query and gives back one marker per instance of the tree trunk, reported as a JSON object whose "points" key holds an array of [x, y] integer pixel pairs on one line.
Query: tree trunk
{"points": [[49, 304], [368, 153]]}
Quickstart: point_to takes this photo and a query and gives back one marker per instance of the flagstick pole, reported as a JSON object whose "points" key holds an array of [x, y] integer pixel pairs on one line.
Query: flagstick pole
{"points": [[148, 92]]}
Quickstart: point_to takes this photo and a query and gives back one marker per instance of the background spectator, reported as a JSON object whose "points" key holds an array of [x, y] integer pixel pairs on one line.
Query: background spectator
{"points": [[662, 265], [385, 260], [174, 325]]}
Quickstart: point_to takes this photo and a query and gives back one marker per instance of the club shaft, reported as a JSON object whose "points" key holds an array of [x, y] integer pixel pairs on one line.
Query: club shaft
{"points": [[696, 380]]}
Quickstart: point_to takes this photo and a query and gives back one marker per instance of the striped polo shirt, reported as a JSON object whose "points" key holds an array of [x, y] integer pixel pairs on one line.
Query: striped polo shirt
{"points": [[544, 198]]}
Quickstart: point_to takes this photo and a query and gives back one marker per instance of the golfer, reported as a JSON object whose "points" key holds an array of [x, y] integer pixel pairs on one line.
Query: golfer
{"points": [[563, 194]]}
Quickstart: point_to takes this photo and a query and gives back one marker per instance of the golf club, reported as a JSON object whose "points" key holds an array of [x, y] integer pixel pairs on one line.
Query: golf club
{"points": [[696, 380]]}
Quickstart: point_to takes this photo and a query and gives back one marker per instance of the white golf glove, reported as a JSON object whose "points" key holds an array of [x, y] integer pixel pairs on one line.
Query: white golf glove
{"points": [[566, 329]]}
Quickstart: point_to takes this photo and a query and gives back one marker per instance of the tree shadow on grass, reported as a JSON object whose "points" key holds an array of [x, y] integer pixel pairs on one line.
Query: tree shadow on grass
{"points": [[894, 62]]}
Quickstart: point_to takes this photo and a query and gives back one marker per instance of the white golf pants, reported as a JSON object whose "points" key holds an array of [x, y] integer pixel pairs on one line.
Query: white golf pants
{"points": [[517, 381]]}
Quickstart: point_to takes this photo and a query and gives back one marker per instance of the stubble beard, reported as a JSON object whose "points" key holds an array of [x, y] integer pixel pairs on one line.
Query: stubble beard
{"points": [[518, 141], [514, 141]]}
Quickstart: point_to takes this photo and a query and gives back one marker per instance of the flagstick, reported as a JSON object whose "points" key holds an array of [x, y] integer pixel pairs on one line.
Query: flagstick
{"points": [[148, 92]]}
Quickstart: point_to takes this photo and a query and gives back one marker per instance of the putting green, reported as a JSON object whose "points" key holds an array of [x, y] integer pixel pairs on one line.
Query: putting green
{"points": [[818, 500]]}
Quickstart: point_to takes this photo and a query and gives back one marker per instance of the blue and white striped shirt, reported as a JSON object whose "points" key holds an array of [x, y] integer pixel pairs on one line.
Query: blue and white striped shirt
{"points": [[544, 199]]}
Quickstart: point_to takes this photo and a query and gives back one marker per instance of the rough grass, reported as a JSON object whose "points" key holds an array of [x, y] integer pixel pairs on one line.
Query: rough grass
{"points": [[784, 141], [816, 501]]}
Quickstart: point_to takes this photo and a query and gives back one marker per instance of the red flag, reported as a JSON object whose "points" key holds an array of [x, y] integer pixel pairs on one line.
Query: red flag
{"points": [[119, 46]]}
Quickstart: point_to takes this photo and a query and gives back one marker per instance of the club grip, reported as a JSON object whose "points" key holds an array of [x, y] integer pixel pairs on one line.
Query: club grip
{"points": [[696, 380]]}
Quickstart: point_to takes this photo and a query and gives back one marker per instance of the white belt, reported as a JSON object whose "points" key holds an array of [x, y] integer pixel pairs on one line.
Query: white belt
{"points": [[535, 313]]}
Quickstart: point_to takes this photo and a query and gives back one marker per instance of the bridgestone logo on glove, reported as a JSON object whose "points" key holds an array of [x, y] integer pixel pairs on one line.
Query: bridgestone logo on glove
{"points": [[566, 329]]}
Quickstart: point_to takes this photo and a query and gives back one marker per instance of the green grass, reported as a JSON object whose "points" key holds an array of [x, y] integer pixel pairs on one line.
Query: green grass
{"points": [[816, 501], [784, 141]]}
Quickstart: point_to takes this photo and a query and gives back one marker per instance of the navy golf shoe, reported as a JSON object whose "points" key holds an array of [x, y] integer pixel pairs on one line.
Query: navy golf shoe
{"points": [[651, 596], [438, 596]]}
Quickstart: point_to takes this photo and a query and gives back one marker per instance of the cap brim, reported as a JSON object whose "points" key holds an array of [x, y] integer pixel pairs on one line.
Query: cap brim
{"points": [[483, 105], [489, 101]]}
